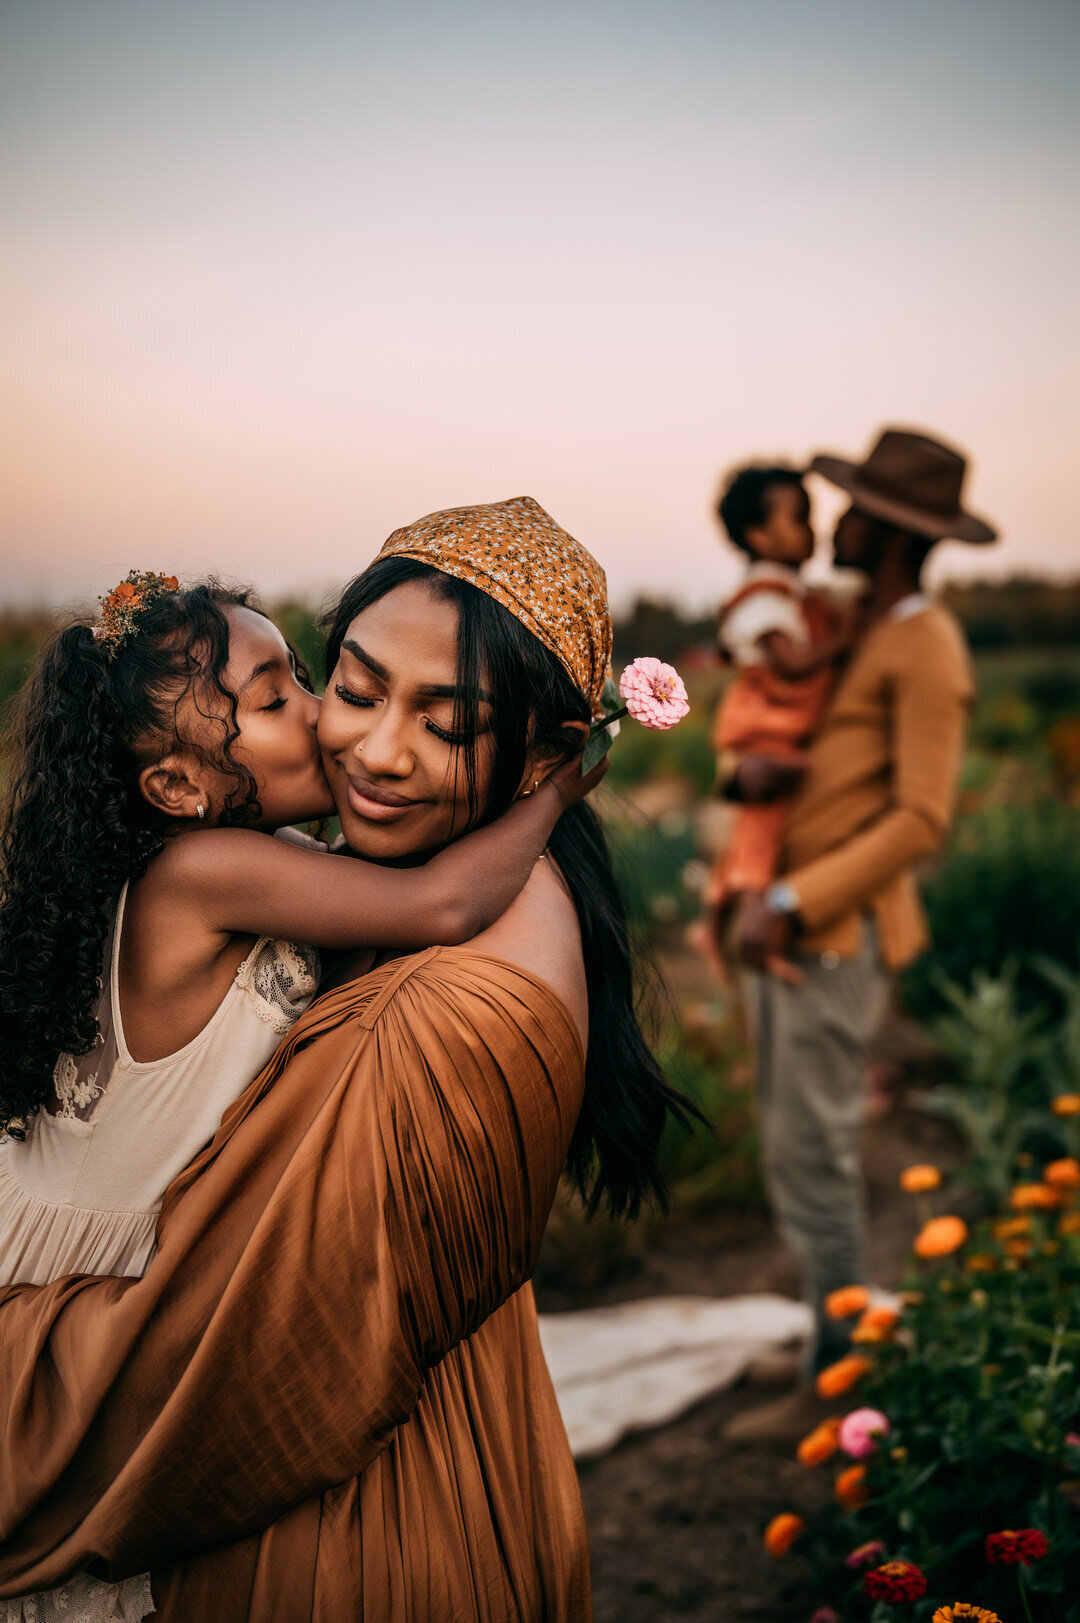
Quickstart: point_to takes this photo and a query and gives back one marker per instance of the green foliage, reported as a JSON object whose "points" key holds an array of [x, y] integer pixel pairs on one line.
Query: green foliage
{"points": [[1007, 889], [981, 1395], [1008, 1065], [1000, 1056], [650, 859], [708, 1169]]}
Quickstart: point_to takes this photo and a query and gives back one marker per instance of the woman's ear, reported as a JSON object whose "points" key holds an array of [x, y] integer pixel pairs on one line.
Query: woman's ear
{"points": [[173, 786], [541, 764]]}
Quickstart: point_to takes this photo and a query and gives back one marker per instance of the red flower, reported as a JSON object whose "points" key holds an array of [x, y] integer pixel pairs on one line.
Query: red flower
{"points": [[1016, 1549], [895, 1581]]}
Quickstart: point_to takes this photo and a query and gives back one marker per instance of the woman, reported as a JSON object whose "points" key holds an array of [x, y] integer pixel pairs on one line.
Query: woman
{"points": [[326, 1398]]}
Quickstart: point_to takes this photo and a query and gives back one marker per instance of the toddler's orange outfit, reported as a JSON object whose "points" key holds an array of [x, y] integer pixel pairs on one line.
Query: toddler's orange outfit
{"points": [[763, 712]]}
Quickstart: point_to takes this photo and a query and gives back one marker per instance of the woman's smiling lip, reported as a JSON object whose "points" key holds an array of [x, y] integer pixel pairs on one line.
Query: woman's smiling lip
{"points": [[372, 801]]}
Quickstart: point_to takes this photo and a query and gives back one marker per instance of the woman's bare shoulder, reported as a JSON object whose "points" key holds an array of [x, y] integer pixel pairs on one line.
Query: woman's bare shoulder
{"points": [[539, 932]]}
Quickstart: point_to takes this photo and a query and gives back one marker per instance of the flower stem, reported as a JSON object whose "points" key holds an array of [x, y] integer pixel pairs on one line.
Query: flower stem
{"points": [[616, 715], [1024, 1594]]}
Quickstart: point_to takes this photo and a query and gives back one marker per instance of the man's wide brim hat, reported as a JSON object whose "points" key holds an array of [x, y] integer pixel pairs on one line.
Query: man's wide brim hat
{"points": [[912, 481]]}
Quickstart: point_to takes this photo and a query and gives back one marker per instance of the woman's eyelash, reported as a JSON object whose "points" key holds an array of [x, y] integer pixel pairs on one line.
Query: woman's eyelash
{"points": [[456, 739], [347, 696], [276, 705]]}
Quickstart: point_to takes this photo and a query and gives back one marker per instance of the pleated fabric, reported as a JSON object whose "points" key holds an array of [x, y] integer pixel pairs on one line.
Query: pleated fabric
{"points": [[326, 1399]]}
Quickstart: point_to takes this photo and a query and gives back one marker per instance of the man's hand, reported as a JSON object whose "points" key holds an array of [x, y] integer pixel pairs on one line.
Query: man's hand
{"points": [[761, 935], [768, 777]]}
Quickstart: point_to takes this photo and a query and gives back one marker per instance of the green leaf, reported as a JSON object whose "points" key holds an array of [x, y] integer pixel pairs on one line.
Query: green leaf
{"points": [[596, 747]]}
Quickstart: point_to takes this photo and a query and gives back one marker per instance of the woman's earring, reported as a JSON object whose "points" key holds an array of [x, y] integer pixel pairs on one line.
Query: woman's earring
{"points": [[200, 812]]}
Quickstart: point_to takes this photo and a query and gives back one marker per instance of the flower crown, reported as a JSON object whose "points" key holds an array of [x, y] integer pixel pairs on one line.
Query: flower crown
{"points": [[120, 610]]}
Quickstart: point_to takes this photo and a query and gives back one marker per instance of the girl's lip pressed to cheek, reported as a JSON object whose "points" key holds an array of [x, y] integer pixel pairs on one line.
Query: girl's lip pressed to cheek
{"points": [[380, 805]]}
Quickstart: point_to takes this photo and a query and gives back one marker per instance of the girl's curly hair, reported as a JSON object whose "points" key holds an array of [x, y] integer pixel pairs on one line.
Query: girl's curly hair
{"points": [[75, 825]]}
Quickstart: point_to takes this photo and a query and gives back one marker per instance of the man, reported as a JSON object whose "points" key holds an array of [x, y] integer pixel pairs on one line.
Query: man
{"points": [[876, 800]]}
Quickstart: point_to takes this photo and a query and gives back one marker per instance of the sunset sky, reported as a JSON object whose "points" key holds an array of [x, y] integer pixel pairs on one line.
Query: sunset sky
{"points": [[277, 278]]}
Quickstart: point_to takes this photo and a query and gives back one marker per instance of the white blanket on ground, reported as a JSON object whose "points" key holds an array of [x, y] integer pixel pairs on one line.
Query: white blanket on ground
{"points": [[639, 1364]]}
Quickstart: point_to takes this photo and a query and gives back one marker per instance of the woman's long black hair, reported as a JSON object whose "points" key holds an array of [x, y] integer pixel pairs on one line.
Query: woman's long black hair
{"points": [[614, 1154], [75, 825]]}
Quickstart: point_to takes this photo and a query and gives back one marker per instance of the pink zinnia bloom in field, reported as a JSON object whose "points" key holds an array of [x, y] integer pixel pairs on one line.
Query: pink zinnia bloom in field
{"points": [[860, 1430], [654, 693], [865, 1555]]}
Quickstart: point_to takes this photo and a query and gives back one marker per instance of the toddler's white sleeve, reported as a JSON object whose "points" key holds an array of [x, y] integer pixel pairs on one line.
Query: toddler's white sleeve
{"points": [[757, 616]]}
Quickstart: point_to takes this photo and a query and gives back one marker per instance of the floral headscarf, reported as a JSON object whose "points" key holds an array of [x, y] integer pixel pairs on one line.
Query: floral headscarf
{"points": [[517, 554]]}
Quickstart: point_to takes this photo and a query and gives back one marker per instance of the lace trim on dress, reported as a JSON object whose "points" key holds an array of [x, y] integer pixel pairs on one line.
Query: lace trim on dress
{"points": [[83, 1600], [280, 978]]}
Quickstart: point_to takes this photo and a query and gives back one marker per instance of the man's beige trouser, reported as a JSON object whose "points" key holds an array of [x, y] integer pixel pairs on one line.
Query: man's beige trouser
{"points": [[812, 1083]]}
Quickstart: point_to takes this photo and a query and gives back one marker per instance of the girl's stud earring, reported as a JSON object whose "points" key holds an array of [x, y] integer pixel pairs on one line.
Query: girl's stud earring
{"points": [[200, 812]]}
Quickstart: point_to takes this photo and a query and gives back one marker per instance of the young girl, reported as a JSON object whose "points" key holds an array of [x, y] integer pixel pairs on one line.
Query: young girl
{"points": [[149, 946]]}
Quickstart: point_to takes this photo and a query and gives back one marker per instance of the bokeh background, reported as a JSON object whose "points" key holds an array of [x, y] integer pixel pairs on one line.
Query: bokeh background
{"points": [[278, 278]]}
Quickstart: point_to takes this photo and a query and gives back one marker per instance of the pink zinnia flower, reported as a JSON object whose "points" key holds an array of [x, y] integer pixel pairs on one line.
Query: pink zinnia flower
{"points": [[654, 693], [866, 1555], [860, 1430]]}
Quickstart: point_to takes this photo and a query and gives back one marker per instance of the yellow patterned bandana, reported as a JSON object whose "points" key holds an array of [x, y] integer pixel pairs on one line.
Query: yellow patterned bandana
{"points": [[517, 554]]}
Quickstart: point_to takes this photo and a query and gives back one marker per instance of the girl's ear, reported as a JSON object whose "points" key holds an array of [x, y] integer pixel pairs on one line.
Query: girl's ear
{"points": [[172, 785], [541, 765]]}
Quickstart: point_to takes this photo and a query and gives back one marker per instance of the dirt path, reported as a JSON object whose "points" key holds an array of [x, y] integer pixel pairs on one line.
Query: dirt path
{"points": [[676, 1515]]}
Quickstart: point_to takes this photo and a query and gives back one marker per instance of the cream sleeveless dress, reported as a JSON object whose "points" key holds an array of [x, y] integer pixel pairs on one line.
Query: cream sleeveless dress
{"points": [[81, 1195]]}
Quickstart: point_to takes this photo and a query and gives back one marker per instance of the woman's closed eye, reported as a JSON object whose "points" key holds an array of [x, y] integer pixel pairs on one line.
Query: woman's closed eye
{"points": [[347, 696], [275, 704]]}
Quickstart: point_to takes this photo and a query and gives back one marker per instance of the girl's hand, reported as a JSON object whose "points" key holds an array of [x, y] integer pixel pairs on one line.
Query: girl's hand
{"points": [[569, 784]]}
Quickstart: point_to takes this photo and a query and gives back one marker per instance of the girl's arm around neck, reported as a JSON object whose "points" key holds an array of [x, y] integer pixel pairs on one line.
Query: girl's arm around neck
{"points": [[240, 882]]}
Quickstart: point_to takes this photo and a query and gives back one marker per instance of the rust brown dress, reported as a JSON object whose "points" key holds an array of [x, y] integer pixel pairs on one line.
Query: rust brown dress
{"points": [[326, 1398]]}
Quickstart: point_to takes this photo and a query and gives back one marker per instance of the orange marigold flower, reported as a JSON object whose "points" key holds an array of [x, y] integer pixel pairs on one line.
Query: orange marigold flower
{"points": [[782, 1532], [895, 1581], [1066, 1104], [1063, 1174], [962, 1612], [1006, 1228], [1016, 1548], [1070, 1223], [1020, 1247], [979, 1263], [920, 1180], [1034, 1197], [940, 1237], [820, 1444], [876, 1324], [842, 1304], [840, 1377], [850, 1487]]}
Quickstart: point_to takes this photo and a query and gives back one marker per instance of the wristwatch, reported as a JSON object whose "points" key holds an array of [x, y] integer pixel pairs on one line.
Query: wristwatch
{"points": [[781, 897]]}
